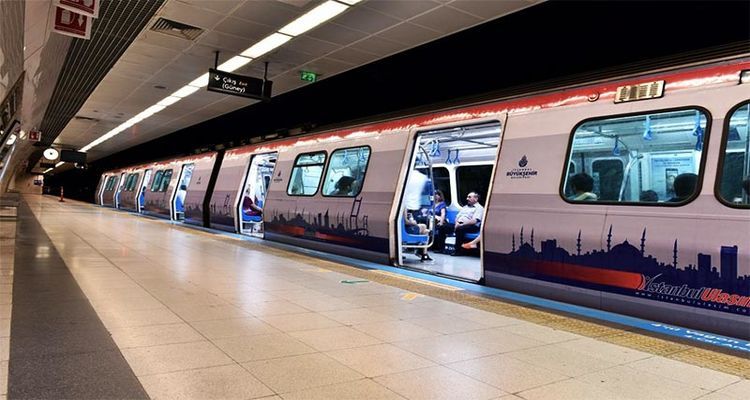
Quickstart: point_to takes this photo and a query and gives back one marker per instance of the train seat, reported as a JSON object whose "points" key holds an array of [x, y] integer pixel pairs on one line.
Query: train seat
{"points": [[411, 239]]}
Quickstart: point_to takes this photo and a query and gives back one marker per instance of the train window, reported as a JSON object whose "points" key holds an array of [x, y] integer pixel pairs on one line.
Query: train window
{"points": [[651, 159], [346, 172], [306, 174], [133, 182], [473, 178], [734, 182], [110, 184], [165, 180], [157, 180]]}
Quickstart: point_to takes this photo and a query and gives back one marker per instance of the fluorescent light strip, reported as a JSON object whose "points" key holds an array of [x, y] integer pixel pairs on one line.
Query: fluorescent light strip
{"points": [[187, 90], [199, 82], [11, 139], [59, 164], [168, 101], [314, 17], [304, 23], [271, 42], [47, 170], [234, 64]]}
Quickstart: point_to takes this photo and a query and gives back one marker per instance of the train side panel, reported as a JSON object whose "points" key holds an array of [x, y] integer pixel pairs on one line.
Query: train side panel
{"points": [[353, 226], [129, 194], [222, 207], [197, 189], [621, 258]]}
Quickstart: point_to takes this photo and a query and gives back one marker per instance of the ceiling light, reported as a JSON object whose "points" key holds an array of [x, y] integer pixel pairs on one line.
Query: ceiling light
{"points": [[47, 170], [187, 90], [199, 82], [264, 46], [150, 111], [11, 139], [59, 164], [168, 101], [314, 17], [350, 2], [234, 63], [51, 154]]}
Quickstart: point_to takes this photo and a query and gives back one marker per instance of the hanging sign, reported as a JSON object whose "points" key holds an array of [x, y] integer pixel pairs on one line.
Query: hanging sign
{"points": [[35, 136], [85, 7], [238, 85], [72, 24]]}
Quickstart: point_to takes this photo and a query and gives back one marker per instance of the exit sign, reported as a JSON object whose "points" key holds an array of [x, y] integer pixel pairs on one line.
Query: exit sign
{"points": [[308, 76]]}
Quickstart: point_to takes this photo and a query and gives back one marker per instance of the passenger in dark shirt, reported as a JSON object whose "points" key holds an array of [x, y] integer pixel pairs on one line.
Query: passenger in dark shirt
{"points": [[684, 186]]}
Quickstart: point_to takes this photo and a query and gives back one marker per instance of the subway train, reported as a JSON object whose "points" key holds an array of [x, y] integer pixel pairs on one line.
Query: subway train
{"points": [[628, 195]]}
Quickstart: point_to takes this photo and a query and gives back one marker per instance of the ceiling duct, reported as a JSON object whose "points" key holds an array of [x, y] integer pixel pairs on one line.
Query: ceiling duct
{"points": [[88, 61], [177, 29]]}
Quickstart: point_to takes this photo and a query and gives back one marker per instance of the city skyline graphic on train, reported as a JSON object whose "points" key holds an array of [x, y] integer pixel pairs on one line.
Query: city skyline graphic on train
{"points": [[624, 268], [343, 228]]}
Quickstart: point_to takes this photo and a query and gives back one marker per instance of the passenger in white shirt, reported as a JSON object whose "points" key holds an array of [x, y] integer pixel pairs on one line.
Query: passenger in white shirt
{"points": [[467, 221]]}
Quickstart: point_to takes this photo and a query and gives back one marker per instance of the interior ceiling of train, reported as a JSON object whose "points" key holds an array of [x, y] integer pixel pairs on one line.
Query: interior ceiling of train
{"points": [[178, 42]]}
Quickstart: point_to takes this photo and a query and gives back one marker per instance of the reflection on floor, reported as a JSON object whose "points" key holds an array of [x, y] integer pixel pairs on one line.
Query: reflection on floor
{"points": [[465, 267]]}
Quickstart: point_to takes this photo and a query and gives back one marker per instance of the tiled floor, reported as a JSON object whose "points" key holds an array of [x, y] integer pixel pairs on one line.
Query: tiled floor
{"points": [[7, 244], [199, 316]]}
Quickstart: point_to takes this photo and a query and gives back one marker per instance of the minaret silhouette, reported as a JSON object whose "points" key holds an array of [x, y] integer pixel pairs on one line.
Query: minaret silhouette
{"points": [[643, 243], [521, 241], [513, 248], [578, 243], [532, 238], [674, 257], [609, 239]]}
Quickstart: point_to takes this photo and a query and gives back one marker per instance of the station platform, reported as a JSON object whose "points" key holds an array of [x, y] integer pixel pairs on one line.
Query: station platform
{"points": [[99, 303]]}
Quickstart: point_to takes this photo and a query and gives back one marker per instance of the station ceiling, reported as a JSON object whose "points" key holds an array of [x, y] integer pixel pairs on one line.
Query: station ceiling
{"points": [[158, 63]]}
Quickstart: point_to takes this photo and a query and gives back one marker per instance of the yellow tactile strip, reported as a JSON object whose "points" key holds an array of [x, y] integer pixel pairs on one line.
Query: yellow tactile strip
{"points": [[637, 340]]}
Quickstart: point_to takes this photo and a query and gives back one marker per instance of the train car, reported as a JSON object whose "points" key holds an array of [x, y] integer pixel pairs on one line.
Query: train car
{"points": [[624, 195], [173, 193]]}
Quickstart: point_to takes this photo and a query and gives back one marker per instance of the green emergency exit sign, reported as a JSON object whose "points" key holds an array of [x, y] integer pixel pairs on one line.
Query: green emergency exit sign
{"points": [[308, 76]]}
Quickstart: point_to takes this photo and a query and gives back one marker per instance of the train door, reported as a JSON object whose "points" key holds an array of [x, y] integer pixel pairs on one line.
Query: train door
{"points": [[100, 189], [140, 200], [120, 187], [253, 199], [178, 200], [443, 202]]}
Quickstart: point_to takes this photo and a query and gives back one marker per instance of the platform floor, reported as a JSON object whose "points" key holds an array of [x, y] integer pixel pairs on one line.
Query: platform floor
{"points": [[201, 315]]}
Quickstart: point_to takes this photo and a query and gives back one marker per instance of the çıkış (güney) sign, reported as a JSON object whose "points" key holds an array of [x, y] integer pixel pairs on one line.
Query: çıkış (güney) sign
{"points": [[238, 85]]}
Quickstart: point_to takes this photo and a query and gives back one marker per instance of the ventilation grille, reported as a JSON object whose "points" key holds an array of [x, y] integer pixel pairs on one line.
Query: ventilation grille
{"points": [[643, 91], [88, 61], [174, 28]]}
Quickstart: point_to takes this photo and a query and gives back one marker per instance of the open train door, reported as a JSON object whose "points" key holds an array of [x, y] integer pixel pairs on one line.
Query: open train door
{"points": [[140, 199], [457, 161], [178, 198], [252, 197]]}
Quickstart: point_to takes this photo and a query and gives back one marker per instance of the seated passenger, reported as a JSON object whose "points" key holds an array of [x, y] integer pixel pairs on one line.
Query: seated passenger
{"points": [[415, 228], [180, 200], [440, 220], [468, 220], [473, 244], [582, 185], [343, 186], [649, 196], [684, 186], [250, 207]]}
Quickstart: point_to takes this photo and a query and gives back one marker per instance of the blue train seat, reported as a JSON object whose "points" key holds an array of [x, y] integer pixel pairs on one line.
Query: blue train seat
{"points": [[247, 217], [411, 239]]}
